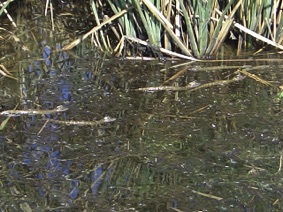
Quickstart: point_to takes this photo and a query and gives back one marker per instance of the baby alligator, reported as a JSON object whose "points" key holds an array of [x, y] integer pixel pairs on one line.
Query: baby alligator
{"points": [[106, 119], [31, 112]]}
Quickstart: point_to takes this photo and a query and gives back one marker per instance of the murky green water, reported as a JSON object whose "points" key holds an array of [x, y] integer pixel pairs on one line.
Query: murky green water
{"points": [[213, 149], [216, 148]]}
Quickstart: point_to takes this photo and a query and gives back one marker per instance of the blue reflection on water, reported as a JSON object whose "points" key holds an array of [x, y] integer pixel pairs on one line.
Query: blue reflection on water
{"points": [[88, 75], [74, 187], [43, 157], [46, 55], [96, 177]]}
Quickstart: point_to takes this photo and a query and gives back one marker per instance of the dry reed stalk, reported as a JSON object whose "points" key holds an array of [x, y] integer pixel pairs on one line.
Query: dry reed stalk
{"points": [[94, 29], [4, 6]]}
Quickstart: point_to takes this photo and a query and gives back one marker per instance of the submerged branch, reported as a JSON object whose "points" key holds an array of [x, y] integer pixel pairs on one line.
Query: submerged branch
{"points": [[256, 78], [106, 119], [189, 86]]}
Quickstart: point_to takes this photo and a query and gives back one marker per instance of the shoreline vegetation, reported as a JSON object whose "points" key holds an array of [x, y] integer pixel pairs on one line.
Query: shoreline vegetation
{"points": [[191, 30]]}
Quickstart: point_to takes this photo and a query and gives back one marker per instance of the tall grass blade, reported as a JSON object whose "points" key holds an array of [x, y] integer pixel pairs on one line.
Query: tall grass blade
{"points": [[215, 41], [127, 21], [167, 26], [94, 10], [148, 23], [94, 29], [6, 4], [204, 8], [192, 37]]}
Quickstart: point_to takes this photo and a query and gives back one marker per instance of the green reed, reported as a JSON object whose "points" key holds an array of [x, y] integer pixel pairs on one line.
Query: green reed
{"points": [[192, 28], [4, 6]]}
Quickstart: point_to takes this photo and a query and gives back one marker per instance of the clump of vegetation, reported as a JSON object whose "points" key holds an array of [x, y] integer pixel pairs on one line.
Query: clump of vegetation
{"points": [[187, 29]]}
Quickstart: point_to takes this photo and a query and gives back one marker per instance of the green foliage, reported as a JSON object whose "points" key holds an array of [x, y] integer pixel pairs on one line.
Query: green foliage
{"points": [[95, 13], [280, 95], [150, 23], [205, 36], [264, 18], [4, 6], [126, 22], [192, 28]]}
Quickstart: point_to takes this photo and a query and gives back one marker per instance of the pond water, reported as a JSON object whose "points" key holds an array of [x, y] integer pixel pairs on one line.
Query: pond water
{"points": [[215, 147]]}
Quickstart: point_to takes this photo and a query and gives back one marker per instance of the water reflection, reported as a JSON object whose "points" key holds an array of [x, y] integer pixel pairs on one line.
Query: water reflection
{"points": [[167, 149]]}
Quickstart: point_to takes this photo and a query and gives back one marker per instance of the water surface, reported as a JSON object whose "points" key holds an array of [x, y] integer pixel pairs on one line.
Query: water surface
{"points": [[216, 148]]}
